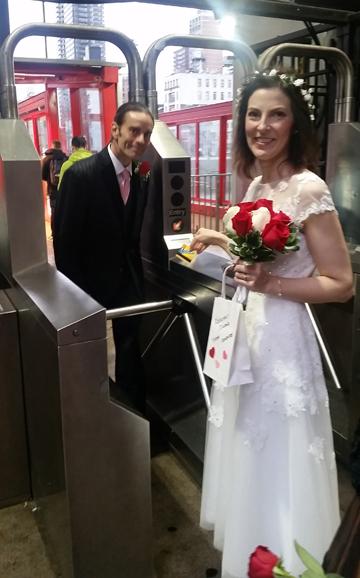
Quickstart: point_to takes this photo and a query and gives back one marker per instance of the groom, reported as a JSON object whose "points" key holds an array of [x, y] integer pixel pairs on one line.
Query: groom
{"points": [[97, 227]]}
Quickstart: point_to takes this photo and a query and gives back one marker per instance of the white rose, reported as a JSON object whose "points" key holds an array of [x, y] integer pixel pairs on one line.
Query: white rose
{"points": [[299, 82], [260, 218], [273, 72], [230, 213]]}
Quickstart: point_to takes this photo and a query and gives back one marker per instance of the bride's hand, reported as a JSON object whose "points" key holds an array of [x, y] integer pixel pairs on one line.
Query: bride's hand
{"points": [[253, 277], [205, 237]]}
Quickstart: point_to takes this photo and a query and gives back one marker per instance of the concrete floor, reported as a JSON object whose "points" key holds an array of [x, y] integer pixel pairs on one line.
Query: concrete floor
{"points": [[180, 547]]}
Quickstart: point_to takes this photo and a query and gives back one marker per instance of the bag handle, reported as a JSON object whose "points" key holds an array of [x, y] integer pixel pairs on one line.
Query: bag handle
{"points": [[230, 266]]}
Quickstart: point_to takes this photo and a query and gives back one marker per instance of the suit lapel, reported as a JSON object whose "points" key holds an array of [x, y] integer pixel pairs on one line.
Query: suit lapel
{"points": [[110, 179]]}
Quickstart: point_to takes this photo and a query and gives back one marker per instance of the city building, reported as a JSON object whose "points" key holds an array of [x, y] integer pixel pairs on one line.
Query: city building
{"points": [[186, 90], [80, 49], [200, 60], [85, 15]]}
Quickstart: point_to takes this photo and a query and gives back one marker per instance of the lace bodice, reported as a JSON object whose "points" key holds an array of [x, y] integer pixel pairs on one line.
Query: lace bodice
{"points": [[299, 196]]}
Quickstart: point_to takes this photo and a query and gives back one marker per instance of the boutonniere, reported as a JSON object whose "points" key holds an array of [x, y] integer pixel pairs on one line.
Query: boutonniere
{"points": [[143, 170]]}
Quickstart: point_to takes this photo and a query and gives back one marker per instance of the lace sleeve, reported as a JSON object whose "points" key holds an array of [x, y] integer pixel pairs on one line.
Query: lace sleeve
{"points": [[314, 199]]}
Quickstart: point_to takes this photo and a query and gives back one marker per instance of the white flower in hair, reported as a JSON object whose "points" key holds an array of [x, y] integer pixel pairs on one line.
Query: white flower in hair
{"points": [[298, 82], [273, 72]]}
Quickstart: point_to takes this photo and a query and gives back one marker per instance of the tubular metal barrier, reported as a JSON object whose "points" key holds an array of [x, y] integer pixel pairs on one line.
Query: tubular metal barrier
{"points": [[241, 51], [166, 326], [7, 82], [340, 61], [138, 309]]}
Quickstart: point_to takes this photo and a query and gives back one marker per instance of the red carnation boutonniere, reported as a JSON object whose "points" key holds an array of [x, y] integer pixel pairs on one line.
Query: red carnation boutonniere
{"points": [[143, 169]]}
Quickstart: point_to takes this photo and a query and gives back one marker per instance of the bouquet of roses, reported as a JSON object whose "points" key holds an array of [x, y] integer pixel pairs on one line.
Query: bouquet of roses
{"points": [[255, 231], [264, 564]]}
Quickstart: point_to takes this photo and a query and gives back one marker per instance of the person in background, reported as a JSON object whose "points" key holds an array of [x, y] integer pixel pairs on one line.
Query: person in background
{"points": [[270, 472], [50, 172], [97, 228], [79, 148]]}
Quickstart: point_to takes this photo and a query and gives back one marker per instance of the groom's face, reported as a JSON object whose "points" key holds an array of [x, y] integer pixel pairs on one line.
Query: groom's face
{"points": [[131, 139]]}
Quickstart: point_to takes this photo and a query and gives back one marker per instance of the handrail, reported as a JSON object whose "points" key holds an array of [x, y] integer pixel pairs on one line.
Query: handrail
{"points": [[139, 309], [8, 100], [323, 347], [340, 61], [242, 51]]}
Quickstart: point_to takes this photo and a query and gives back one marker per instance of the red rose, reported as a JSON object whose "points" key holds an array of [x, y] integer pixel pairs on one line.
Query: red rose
{"points": [[275, 234], [280, 216], [267, 204], [247, 206], [144, 168], [261, 563], [242, 222]]}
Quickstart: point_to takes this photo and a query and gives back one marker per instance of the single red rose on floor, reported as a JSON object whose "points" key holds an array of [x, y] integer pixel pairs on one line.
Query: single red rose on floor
{"points": [[275, 234], [242, 223], [144, 168], [261, 563]]}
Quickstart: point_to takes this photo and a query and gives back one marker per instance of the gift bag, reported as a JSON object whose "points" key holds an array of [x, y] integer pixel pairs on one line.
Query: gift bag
{"points": [[227, 358]]}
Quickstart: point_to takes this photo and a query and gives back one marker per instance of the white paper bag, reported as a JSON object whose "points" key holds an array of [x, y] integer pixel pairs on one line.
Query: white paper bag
{"points": [[227, 358]]}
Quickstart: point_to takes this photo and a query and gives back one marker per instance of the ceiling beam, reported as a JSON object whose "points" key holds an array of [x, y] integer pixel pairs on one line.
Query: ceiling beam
{"points": [[289, 10]]}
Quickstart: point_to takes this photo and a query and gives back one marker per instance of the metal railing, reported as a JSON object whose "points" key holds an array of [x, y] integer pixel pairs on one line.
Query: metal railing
{"points": [[210, 199], [144, 308]]}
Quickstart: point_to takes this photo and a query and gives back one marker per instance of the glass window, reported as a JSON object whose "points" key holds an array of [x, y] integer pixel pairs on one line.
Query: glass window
{"points": [[207, 95], [199, 95], [229, 83], [187, 139], [42, 134], [222, 83], [199, 82], [229, 95], [30, 127], [214, 83], [207, 82], [229, 127], [65, 124], [214, 95], [222, 96], [209, 137], [91, 118]]}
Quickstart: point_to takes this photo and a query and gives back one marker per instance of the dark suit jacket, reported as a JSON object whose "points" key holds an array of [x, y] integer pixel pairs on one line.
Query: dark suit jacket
{"points": [[96, 237]]}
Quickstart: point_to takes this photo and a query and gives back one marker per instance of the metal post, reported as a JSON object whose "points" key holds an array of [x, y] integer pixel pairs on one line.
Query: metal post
{"points": [[323, 347], [4, 20], [190, 328]]}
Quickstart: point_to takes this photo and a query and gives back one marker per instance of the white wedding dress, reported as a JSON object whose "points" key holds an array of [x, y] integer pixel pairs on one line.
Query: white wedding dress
{"points": [[270, 474]]}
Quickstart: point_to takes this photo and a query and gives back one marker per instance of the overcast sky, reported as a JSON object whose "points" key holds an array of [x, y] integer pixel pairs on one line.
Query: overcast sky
{"points": [[143, 23]]}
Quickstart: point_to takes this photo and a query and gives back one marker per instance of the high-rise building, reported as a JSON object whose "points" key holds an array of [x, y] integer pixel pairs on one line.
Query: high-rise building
{"points": [[85, 15], [200, 60]]}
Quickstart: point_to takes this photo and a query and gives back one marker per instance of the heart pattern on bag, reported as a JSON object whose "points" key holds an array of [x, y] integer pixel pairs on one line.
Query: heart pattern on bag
{"points": [[217, 364], [224, 354], [212, 352]]}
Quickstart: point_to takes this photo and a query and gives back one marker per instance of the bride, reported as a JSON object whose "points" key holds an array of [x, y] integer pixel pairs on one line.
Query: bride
{"points": [[270, 472]]}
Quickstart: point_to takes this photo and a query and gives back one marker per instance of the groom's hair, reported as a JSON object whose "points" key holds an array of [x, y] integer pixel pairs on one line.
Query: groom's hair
{"points": [[131, 106]]}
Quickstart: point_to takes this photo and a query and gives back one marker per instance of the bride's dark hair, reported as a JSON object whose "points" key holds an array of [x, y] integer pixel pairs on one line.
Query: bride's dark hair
{"points": [[303, 147]]}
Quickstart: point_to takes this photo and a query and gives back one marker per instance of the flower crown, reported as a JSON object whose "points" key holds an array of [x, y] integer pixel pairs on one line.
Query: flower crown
{"points": [[287, 79]]}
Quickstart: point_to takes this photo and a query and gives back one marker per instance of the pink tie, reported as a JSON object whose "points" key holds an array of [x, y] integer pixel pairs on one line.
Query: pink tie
{"points": [[125, 185]]}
